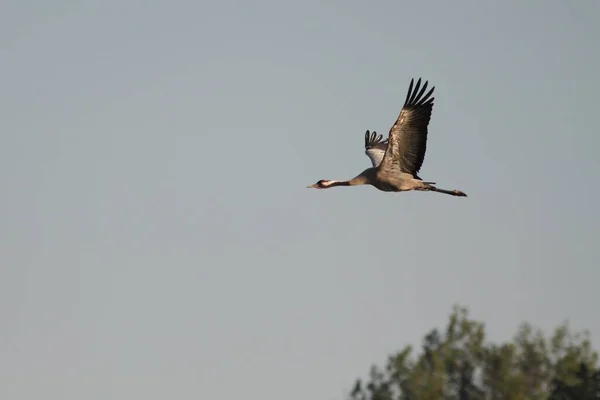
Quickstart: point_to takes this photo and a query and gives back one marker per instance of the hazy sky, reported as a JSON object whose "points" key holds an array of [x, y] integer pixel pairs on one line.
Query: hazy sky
{"points": [[157, 237]]}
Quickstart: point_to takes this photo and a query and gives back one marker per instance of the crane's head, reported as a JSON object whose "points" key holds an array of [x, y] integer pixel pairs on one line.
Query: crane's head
{"points": [[322, 184]]}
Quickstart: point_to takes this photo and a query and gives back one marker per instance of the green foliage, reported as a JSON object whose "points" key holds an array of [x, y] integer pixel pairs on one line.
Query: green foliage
{"points": [[459, 364]]}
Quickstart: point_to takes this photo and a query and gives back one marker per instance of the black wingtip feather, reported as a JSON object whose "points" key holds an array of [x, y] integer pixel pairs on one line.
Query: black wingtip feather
{"points": [[414, 93], [372, 138], [412, 81], [425, 99], [414, 97], [422, 90]]}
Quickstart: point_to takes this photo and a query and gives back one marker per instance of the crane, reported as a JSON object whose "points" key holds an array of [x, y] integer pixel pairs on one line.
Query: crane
{"points": [[397, 160]]}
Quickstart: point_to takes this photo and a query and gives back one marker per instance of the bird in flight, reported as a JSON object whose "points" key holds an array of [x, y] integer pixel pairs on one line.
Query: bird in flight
{"points": [[397, 160]]}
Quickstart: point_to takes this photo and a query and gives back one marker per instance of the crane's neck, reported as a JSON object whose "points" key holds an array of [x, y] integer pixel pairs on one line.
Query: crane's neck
{"points": [[358, 180], [333, 183]]}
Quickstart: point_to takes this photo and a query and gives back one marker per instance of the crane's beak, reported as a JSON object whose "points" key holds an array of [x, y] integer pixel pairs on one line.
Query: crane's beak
{"points": [[313, 186]]}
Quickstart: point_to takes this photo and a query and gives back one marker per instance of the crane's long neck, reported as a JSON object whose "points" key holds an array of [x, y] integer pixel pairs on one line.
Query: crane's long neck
{"points": [[358, 180], [332, 183]]}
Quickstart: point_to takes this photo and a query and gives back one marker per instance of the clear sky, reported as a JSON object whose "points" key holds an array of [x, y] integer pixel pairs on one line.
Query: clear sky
{"points": [[157, 237]]}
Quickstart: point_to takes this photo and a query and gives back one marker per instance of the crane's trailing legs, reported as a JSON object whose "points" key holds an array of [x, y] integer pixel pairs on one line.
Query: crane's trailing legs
{"points": [[454, 192]]}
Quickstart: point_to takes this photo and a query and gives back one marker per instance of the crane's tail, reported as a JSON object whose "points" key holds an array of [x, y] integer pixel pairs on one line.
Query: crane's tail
{"points": [[450, 192]]}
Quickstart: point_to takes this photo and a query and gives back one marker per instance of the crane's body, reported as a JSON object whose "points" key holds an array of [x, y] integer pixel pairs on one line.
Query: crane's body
{"points": [[397, 160], [398, 182]]}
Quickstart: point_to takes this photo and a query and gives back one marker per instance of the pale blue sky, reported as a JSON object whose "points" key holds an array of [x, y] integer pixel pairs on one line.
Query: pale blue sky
{"points": [[157, 237]]}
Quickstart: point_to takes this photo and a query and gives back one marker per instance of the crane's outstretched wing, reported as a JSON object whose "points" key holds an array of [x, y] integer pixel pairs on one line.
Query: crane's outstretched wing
{"points": [[374, 147], [407, 140]]}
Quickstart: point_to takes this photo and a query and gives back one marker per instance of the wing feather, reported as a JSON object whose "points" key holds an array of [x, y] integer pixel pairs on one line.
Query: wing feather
{"points": [[375, 147], [407, 141]]}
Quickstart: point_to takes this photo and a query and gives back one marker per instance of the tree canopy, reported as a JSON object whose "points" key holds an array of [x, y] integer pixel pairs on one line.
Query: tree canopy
{"points": [[459, 364]]}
